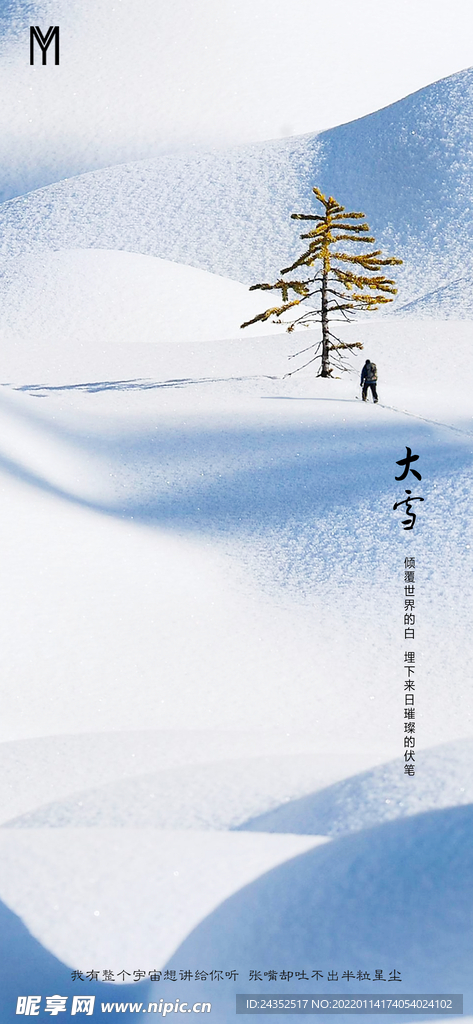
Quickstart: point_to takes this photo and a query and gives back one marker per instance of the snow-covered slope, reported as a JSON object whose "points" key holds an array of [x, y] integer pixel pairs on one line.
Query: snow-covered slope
{"points": [[215, 562], [408, 167], [202, 614], [199, 74], [293, 481], [56, 305], [212, 796], [81, 871], [380, 795], [389, 898], [453, 301]]}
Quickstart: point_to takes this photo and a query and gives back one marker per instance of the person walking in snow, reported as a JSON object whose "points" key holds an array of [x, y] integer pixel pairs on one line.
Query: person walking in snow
{"points": [[369, 376]]}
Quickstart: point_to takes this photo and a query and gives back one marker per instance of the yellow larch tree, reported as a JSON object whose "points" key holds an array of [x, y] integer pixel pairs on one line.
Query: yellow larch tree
{"points": [[343, 284]]}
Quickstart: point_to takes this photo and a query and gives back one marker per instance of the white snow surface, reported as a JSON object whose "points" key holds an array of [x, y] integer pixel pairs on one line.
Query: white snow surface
{"points": [[202, 628], [393, 897], [201, 74], [227, 210], [89, 295], [202, 730], [453, 301], [445, 779], [68, 886]]}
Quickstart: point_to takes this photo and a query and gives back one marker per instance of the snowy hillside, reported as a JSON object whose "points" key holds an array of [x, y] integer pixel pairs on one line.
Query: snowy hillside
{"points": [[56, 306], [377, 796], [205, 576], [396, 894], [453, 301], [199, 75], [202, 736], [408, 167]]}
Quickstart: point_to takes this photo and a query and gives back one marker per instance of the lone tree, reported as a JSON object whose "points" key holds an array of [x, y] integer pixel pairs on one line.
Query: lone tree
{"points": [[344, 283]]}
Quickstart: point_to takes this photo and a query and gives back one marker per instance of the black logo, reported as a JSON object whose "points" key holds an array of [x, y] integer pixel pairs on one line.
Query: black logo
{"points": [[44, 41]]}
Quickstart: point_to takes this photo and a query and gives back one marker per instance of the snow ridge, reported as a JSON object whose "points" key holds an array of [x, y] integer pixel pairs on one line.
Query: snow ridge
{"points": [[408, 167]]}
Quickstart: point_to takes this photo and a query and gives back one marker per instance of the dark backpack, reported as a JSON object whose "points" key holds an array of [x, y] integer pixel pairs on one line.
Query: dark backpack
{"points": [[372, 373]]}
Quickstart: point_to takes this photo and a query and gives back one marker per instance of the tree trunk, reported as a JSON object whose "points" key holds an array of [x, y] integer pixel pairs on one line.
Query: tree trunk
{"points": [[325, 369]]}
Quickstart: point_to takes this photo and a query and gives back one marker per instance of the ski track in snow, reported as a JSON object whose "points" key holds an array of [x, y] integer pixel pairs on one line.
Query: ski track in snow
{"points": [[449, 426]]}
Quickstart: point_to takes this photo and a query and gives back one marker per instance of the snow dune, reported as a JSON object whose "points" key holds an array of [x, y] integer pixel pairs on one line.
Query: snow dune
{"points": [[387, 898], [199, 630], [197, 75], [66, 302], [247, 513], [231, 771], [112, 897], [29, 967], [408, 167], [377, 796], [189, 550], [202, 795], [452, 301]]}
